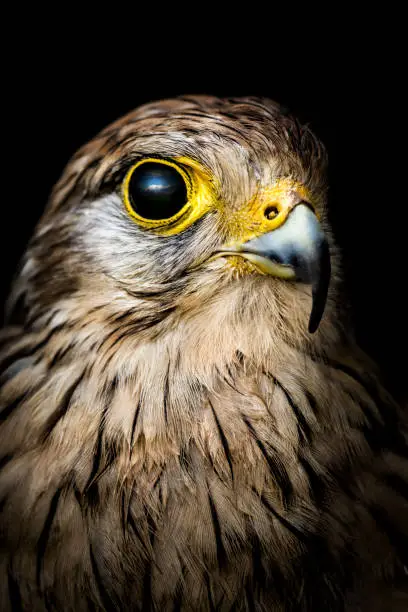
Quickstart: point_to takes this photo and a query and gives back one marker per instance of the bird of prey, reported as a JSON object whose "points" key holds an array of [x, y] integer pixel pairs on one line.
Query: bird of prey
{"points": [[187, 422]]}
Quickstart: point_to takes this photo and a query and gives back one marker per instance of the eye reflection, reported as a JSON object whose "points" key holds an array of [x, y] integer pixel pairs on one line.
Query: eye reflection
{"points": [[157, 191]]}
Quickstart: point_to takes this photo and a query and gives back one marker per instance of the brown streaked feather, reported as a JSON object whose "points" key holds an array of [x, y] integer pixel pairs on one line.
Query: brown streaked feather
{"points": [[171, 436]]}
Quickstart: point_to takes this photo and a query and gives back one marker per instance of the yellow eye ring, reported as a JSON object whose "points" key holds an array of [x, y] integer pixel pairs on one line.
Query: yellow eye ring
{"points": [[182, 190]]}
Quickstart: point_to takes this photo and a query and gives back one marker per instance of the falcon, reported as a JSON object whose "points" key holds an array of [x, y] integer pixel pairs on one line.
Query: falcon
{"points": [[186, 420]]}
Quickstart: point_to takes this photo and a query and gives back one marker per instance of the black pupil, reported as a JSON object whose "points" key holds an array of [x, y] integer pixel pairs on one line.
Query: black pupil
{"points": [[157, 191]]}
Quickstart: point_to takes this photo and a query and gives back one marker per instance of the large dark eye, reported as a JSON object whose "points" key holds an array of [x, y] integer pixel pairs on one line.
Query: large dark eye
{"points": [[156, 190]]}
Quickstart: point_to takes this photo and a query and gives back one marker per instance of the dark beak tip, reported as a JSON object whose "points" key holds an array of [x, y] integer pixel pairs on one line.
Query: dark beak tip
{"points": [[314, 322]]}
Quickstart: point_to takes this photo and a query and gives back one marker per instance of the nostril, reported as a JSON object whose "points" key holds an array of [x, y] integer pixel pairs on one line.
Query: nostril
{"points": [[271, 212]]}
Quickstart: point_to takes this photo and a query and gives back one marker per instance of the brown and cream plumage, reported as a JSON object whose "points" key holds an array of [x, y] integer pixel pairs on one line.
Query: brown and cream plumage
{"points": [[172, 435]]}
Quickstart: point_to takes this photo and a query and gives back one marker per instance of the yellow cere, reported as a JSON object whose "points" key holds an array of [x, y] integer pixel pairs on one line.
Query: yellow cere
{"points": [[200, 196], [250, 221]]}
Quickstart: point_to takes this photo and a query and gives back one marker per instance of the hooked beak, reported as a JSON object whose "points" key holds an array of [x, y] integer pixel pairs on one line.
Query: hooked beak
{"points": [[296, 250]]}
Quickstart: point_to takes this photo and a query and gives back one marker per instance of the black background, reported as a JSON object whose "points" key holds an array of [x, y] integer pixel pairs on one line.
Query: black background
{"points": [[61, 86]]}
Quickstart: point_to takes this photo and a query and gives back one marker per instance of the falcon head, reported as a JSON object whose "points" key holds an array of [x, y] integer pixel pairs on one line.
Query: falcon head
{"points": [[199, 214]]}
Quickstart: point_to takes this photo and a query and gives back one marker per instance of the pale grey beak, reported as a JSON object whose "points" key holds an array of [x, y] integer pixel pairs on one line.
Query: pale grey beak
{"points": [[297, 249]]}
